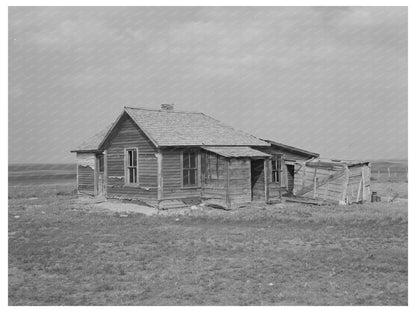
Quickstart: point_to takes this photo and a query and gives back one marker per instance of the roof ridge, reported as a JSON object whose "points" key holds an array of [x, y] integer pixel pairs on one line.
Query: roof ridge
{"points": [[161, 110]]}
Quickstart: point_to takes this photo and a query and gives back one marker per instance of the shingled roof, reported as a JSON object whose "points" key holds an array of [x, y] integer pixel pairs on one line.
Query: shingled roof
{"points": [[178, 128]]}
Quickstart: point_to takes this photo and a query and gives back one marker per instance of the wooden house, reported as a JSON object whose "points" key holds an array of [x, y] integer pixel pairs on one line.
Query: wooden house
{"points": [[167, 157]]}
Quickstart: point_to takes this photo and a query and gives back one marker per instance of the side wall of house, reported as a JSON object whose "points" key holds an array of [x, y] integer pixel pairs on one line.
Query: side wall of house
{"points": [[172, 176], [85, 173], [128, 135], [239, 186]]}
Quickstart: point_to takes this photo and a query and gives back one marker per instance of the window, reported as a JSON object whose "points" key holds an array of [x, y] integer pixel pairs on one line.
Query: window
{"points": [[209, 166], [131, 166], [190, 168], [100, 163], [276, 170]]}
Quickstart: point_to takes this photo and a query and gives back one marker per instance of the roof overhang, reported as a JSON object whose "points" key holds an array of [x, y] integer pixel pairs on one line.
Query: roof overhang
{"points": [[87, 151], [236, 152], [292, 148]]}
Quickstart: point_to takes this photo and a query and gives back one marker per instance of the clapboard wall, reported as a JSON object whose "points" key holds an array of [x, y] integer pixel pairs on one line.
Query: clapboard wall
{"points": [[239, 185], [128, 135], [172, 187], [85, 173]]}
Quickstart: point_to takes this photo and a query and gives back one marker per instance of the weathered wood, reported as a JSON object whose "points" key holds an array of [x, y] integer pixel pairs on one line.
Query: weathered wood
{"points": [[105, 172], [239, 185], [227, 185], [127, 135], [309, 188], [363, 182], [159, 175], [266, 180], [324, 165], [358, 191], [85, 177], [344, 199]]}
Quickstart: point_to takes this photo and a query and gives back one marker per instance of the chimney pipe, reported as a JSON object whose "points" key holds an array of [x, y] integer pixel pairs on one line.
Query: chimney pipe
{"points": [[167, 107]]}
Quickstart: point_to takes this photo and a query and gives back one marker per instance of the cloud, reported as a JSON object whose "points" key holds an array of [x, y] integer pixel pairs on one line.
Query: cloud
{"points": [[309, 70]]}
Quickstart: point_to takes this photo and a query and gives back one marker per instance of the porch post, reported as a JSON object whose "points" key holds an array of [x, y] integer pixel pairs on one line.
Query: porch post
{"points": [[266, 180]]}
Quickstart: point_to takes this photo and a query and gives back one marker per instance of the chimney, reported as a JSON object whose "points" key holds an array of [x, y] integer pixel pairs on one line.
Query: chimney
{"points": [[167, 107]]}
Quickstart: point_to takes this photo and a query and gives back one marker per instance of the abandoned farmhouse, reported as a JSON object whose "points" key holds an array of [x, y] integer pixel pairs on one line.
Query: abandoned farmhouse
{"points": [[167, 158]]}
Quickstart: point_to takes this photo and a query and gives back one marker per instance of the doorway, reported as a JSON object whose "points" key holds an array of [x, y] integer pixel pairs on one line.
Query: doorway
{"points": [[290, 178], [101, 189], [257, 179]]}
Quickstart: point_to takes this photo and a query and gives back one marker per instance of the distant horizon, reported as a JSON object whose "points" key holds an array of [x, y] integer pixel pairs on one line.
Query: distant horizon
{"points": [[73, 163]]}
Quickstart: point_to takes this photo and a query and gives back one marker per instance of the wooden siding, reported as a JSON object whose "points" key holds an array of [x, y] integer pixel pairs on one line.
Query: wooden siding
{"points": [[172, 176], [275, 190], [86, 173], [339, 184], [239, 180], [85, 180], [358, 188], [329, 183], [128, 135]]}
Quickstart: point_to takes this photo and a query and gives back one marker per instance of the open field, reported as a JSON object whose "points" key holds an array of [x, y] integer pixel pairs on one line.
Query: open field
{"points": [[64, 253], [41, 173]]}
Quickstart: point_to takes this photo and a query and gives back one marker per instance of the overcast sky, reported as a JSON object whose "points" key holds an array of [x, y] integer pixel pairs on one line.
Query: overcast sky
{"points": [[330, 80]]}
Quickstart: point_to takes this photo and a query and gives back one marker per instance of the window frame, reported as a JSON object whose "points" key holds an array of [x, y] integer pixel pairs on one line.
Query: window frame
{"points": [[211, 167], [196, 168], [127, 167], [278, 171], [100, 163]]}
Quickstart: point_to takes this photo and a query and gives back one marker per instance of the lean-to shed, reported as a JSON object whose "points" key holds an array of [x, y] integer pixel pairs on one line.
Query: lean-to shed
{"points": [[342, 182]]}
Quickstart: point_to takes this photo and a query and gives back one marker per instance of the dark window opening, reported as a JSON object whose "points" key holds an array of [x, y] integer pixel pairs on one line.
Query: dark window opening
{"points": [[100, 163], [276, 170], [131, 166]]}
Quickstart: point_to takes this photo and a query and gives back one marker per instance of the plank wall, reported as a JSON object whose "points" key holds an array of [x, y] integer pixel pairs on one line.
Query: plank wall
{"points": [[128, 135], [172, 176]]}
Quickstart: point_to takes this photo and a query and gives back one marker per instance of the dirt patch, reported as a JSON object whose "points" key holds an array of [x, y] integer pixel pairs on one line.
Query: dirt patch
{"points": [[124, 208]]}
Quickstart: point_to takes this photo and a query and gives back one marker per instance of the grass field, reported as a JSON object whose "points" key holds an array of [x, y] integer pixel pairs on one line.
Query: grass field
{"points": [[65, 253], [61, 253]]}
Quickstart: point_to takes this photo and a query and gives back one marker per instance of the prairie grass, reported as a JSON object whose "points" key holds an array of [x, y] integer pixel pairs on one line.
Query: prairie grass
{"points": [[63, 253]]}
